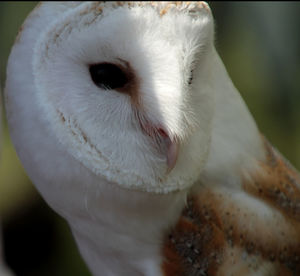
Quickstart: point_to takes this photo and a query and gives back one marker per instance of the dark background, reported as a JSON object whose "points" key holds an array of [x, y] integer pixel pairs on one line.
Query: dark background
{"points": [[259, 43]]}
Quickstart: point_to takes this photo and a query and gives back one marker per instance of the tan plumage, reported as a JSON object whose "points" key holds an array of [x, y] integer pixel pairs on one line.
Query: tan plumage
{"points": [[218, 235]]}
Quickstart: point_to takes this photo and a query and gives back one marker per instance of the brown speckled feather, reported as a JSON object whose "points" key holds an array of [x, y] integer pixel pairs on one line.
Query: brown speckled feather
{"points": [[254, 231]]}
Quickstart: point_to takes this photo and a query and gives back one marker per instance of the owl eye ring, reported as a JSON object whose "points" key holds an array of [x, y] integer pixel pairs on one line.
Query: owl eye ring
{"points": [[108, 76]]}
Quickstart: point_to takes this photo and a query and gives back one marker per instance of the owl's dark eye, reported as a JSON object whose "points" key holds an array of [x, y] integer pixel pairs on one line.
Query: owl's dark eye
{"points": [[108, 76]]}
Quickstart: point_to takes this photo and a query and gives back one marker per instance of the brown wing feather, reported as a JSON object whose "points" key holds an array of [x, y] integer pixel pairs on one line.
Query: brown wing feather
{"points": [[254, 231]]}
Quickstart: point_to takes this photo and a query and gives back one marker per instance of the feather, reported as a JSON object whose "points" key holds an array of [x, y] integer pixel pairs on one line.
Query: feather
{"points": [[252, 231]]}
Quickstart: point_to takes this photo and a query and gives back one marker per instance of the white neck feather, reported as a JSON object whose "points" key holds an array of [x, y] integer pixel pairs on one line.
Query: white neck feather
{"points": [[121, 232]]}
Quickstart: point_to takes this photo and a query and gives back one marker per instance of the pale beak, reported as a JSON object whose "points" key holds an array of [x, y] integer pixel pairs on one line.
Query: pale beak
{"points": [[172, 146], [172, 154]]}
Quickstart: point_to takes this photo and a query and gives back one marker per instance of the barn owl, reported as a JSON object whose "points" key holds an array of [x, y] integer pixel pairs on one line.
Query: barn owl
{"points": [[125, 119]]}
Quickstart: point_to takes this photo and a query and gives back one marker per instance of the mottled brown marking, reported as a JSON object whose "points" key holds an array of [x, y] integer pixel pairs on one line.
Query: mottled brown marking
{"points": [[279, 185], [164, 10], [19, 34], [162, 7], [240, 238], [194, 246], [204, 5], [61, 116]]}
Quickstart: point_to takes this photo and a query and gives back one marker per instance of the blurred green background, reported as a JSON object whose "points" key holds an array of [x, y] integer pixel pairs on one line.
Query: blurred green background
{"points": [[259, 43]]}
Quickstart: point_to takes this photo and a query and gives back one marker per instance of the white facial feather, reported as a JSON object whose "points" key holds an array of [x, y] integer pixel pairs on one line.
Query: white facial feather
{"points": [[99, 127]]}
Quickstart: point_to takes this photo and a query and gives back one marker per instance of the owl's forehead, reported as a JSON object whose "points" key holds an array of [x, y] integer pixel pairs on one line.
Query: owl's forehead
{"points": [[141, 20], [117, 26], [182, 14], [161, 7], [90, 12]]}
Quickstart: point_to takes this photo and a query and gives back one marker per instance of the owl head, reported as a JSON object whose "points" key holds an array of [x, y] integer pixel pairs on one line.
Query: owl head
{"points": [[124, 88]]}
